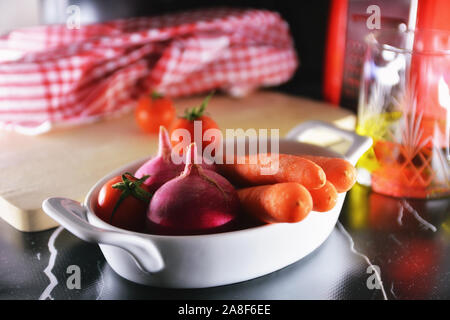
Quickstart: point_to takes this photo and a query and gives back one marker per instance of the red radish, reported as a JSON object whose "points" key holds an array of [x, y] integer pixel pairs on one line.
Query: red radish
{"points": [[161, 168], [198, 201]]}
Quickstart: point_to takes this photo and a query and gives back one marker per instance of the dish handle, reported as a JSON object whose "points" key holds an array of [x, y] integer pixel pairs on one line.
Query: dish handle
{"points": [[72, 216], [359, 144]]}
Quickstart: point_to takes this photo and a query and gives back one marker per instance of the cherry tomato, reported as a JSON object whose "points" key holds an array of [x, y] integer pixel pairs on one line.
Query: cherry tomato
{"points": [[123, 202], [187, 122], [154, 111]]}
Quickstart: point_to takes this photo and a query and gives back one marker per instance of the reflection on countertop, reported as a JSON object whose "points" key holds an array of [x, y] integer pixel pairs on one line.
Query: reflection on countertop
{"points": [[408, 239]]}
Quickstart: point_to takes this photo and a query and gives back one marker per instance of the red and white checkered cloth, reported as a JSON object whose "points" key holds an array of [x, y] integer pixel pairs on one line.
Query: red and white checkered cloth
{"points": [[53, 75]]}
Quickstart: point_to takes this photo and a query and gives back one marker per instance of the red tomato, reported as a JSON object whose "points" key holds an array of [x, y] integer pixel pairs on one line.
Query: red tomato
{"points": [[123, 202], [187, 122], [154, 111]]}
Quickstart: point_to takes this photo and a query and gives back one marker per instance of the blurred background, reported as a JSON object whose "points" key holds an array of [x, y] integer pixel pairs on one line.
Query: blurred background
{"points": [[307, 20], [339, 25]]}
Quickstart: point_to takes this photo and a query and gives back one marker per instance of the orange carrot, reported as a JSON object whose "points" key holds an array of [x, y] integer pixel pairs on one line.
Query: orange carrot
{"points": [[325, 198], [281, 202], [340, 172], [286, 168]]}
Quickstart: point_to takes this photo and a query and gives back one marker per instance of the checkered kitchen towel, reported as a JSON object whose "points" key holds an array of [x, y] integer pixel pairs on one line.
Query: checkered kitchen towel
{"points": [[52, 75]]}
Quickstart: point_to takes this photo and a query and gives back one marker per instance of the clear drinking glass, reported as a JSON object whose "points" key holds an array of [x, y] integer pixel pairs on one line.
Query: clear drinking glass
{"points": [[404, 105]]}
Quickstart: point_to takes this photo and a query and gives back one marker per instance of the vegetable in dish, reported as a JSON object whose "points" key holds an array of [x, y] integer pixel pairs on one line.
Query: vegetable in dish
{"points": [[290, 168], [123, 202], [280, 202], [197, 201], [191, 197], [161, 168]]}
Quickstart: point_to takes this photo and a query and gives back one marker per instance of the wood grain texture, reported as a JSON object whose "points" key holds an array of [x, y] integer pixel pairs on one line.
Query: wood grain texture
{"points": [[68, 162]]}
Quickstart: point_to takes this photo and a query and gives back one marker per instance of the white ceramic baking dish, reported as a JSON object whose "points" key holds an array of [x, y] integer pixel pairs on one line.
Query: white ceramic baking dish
{"points": [[200, 261]]}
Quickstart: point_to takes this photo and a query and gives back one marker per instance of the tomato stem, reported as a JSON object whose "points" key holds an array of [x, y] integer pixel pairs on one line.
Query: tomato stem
{"points": [[130, 188], [156, 95], [197, 112]]}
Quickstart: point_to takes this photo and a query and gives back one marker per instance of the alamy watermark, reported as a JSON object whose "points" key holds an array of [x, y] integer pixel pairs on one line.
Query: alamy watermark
{"points": [[74, 19], [262, 147], [74, 279], [374, 20], [374, 280]]}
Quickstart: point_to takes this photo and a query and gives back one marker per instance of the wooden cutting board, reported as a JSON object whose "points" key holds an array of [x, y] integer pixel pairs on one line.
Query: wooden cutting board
{"points": [[68, 162]]}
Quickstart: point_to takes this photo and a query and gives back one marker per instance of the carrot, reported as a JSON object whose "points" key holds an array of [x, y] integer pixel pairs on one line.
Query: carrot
{"points": [[281, 202], [287, 168], [340, 172], [325, 198]]}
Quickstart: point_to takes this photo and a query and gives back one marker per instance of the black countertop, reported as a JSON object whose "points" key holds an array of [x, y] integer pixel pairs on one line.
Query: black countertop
{"points": [[406, 242]]}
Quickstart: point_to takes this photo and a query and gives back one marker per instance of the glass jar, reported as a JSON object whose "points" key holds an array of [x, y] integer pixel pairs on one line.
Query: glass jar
{"points": [[404, 105]]}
